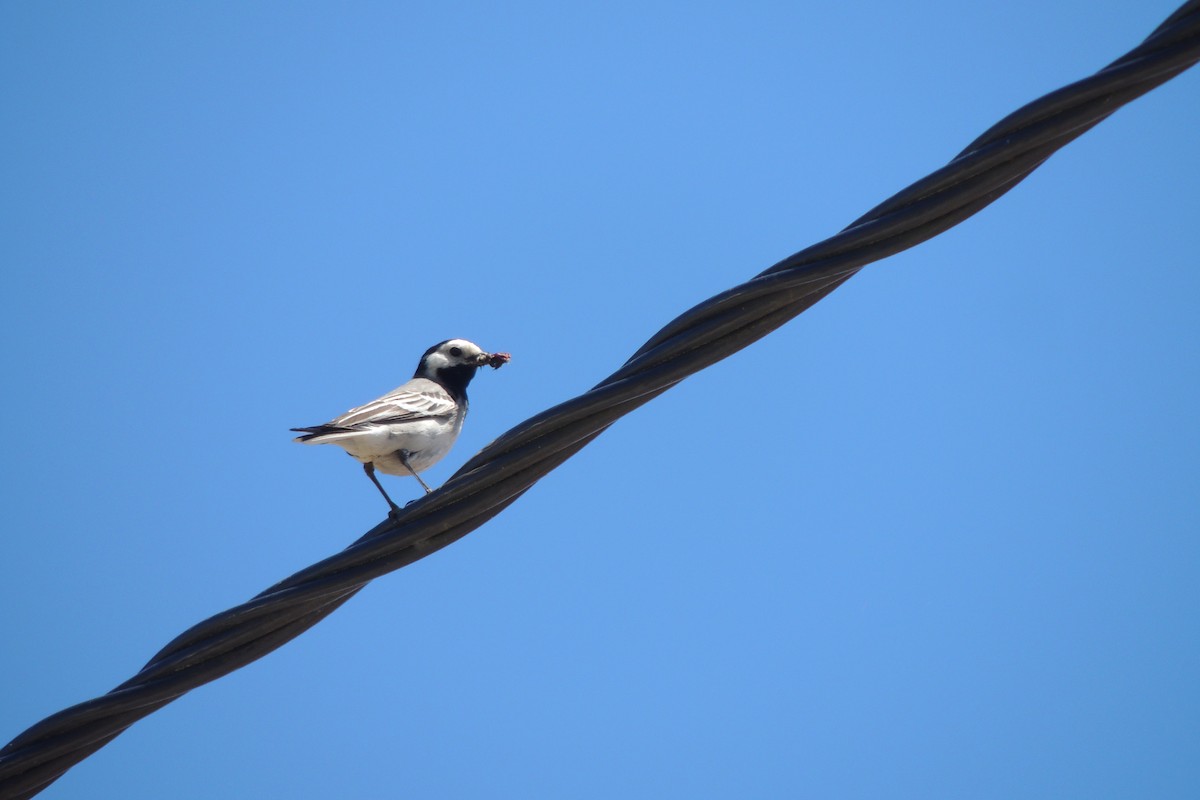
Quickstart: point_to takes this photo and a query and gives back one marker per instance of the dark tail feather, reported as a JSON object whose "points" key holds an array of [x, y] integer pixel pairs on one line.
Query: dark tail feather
{"points": [[317, 430]]}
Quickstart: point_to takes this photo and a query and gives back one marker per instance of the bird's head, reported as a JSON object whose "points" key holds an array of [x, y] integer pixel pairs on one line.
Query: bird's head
{"points": [[453, 363]]}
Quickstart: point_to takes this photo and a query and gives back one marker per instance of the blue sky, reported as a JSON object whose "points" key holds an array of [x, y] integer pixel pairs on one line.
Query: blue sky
{"points": [[935, 538]]}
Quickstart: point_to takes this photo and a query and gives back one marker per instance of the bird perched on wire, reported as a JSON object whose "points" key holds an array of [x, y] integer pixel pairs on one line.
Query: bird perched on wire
{"points": [[412, 427]]}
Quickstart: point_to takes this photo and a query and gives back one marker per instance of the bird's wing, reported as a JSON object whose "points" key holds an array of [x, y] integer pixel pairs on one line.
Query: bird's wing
{"points": [[414, 401], [405, 404]]}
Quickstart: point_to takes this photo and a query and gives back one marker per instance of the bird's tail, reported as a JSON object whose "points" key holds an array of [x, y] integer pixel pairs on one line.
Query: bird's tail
{"points": [[316, 433]]}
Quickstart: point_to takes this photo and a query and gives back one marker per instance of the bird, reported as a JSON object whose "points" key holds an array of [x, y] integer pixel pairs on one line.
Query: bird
{"points": [[412, 427]]}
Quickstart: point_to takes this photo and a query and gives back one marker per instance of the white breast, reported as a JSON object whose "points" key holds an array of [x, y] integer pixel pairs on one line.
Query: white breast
{"points": [[426, 442]]}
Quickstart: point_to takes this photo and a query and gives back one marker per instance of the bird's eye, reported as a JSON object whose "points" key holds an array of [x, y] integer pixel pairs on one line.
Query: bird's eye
{"points": [[456, 351]]}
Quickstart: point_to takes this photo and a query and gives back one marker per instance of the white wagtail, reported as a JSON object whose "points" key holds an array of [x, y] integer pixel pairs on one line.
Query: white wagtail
{"points": [[412, 427]]}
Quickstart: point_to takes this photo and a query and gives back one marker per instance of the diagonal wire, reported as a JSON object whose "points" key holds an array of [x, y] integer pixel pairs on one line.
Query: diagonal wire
{"points": [[499, 474]]}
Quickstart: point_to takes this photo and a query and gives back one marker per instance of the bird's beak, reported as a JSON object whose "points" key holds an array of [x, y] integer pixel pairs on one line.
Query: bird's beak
{"points": [[496, 360]]}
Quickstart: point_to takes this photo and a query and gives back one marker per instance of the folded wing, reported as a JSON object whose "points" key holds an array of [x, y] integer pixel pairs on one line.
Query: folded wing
{"points": [[405, 404]]}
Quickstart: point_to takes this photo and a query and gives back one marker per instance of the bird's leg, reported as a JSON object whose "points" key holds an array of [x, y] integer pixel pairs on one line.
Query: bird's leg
{"points": [[369, 468], [403, 456]]}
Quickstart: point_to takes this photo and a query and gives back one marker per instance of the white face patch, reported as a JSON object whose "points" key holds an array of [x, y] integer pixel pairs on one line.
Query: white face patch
{"points": [[461, 349]]}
